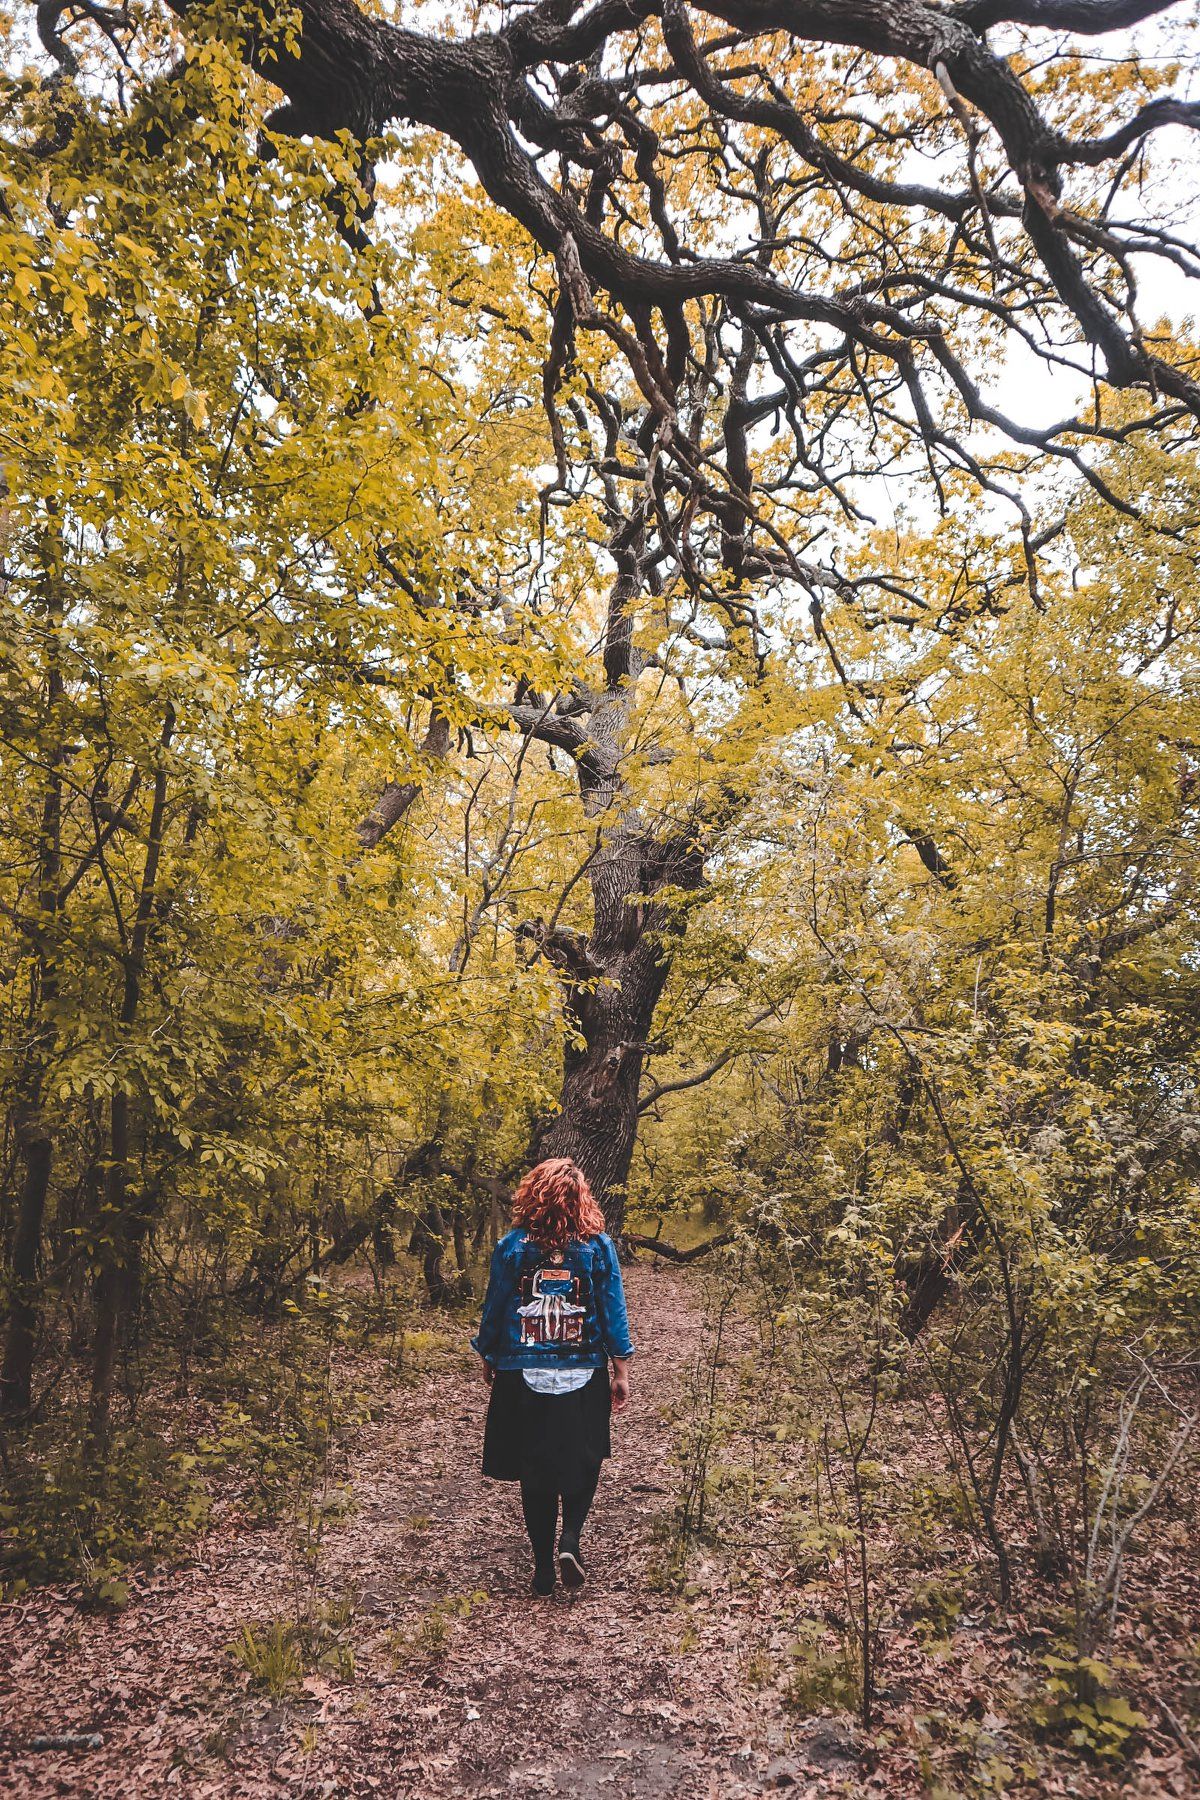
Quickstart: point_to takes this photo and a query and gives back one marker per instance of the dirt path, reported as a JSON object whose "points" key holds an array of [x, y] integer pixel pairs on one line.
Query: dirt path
{"points": [[500, 1694]]}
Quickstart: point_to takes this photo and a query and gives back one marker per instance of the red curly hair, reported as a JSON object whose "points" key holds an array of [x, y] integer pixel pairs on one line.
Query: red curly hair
{"points": [[555, 1204]]}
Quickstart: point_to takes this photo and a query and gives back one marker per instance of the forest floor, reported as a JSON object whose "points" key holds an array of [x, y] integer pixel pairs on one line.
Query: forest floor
{"points": [[462, 1684]]}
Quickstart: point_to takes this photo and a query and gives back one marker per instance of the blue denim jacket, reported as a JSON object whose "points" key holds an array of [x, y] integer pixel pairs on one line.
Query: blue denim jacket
{"points": [[541, 1312]]}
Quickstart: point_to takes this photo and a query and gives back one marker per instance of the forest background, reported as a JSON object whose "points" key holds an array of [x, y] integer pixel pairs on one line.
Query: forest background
{"points": [[621, 583]]}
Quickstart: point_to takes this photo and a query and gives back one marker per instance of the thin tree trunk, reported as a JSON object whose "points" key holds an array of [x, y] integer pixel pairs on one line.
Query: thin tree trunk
{"points": [[110, 1282], [24, 1318], [459, 1228], [125, 1224], [430, 1241]]}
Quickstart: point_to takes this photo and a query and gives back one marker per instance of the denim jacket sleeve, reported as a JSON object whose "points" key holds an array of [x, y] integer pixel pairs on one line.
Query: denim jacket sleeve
{"points": [[610, 1299], [500, 1290]]}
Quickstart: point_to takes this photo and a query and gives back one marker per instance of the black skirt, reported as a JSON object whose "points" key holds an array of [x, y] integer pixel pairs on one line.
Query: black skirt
{"points": [[552, 1440]]}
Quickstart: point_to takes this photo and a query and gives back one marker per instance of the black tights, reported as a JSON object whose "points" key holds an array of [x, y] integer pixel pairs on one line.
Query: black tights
{"points": [[540, 1506]]}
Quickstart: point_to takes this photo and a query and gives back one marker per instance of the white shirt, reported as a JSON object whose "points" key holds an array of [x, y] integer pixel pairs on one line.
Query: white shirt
{"points": [[556, 1381]]}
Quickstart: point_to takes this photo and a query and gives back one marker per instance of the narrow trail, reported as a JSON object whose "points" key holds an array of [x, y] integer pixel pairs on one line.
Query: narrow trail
{"points": [[600, 1695]]}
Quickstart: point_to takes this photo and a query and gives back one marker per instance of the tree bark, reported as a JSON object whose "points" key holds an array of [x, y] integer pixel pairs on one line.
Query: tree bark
{"points": [[431, 1241], [596, 1125], [16, 1378], [112, 1281], [397, 797], [613, 985], [125, 1220], [613, 978]]}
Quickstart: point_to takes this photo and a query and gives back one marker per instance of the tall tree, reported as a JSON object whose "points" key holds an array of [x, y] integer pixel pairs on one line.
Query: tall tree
{"points": [[798, 241]]}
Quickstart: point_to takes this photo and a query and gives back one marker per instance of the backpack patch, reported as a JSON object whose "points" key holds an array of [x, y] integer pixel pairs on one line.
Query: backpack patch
{"points": [[550, 1310]]}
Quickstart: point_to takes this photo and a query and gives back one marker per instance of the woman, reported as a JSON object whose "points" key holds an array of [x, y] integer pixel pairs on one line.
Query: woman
{"points": [[553, 1316]]}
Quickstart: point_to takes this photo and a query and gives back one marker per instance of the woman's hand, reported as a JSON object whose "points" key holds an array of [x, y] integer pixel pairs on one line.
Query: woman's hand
{"points": [[619, 1383], [486, 1372]]}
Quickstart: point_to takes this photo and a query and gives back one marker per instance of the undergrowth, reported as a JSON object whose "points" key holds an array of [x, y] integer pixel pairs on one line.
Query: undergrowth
{"points": [[815, 1471], [245, 1432]]}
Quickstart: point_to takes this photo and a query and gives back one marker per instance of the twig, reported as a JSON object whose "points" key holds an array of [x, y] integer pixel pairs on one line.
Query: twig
{"points": [[1179, 1732]]}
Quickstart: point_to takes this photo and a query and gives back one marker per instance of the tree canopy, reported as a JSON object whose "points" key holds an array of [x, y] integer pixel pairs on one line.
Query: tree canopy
{"points": [[612, 580]]}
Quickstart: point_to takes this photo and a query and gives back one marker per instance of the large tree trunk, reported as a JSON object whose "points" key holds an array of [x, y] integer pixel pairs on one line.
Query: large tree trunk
{"points": [[614, 981], [612, 978], [596, 1124]]}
